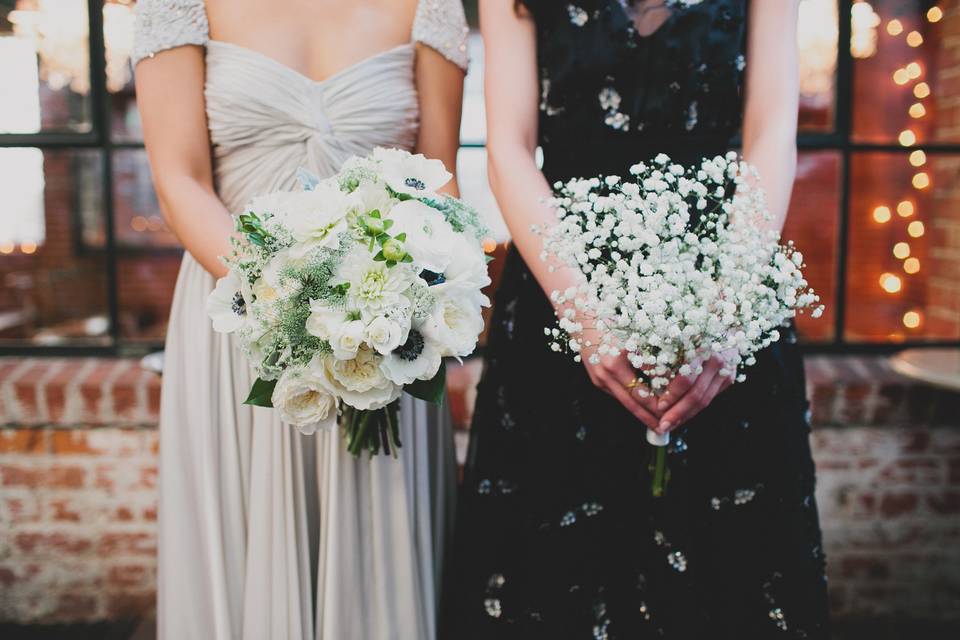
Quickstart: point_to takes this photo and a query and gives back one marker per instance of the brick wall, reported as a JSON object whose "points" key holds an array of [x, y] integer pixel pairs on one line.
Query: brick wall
{"points": [[78, 478]]}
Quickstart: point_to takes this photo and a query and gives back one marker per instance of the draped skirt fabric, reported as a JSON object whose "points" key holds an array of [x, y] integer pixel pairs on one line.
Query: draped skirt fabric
{"points": [[261, 526]]}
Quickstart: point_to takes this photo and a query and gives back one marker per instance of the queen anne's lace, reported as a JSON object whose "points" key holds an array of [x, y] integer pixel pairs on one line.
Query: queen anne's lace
{"points": [[441, 25], [166, 24]]}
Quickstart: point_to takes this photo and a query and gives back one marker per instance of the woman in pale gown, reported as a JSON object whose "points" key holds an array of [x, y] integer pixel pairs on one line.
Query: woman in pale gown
{"points": [[266, 533]]}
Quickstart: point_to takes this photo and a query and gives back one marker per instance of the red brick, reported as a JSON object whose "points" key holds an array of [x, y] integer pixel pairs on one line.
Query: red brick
{"points": [[127, 605], [23, 441], [127, 575], [20, 509], [92, 387], [25, 389], [70, 441], [150, 514], [16, 476], [128, 543], [898, 504], [52, 543], [74, 607], [61, 511], [946, 503], [66, 477], [56, 388]]}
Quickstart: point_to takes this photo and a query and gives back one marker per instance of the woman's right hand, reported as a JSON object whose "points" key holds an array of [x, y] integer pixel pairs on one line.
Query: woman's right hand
{"points": [[616, 376]]}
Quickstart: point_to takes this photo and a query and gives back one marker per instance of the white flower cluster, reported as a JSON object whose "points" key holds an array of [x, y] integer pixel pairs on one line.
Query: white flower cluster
{"points": [[677, 265], [353, 289]]}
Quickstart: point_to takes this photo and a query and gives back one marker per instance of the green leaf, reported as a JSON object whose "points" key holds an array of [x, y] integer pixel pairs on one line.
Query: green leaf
{"points": [[402, 237], [379, 257], [431, 390], [391, 264], [407, 258], [387, 224], [261, 393]]}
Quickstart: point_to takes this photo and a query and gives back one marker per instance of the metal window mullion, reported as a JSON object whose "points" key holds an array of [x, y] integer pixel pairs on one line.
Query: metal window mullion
{"points": [[843, 123], [100, 107]]}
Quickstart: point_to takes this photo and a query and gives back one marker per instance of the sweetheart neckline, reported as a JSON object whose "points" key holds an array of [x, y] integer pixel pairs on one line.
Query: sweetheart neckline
{"points": [[337, 74]]}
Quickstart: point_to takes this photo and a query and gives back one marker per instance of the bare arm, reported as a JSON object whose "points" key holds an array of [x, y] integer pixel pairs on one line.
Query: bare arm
{"points": [[171, 102], [440, 90], [770, 111], [769, 144], [512, 95]]}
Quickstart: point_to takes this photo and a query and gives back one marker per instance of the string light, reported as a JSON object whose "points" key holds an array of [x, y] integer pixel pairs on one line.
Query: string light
{"points": [[139, 224], [905, 209], [916, 229], [489, 245], [890, 283], [881, 214], [907, 138], [921, 180], [914, 39], [917, 110], [935, 14], [922, 90], [901, 251], [911, 319], [901, 77], [911, 265], [918, 158], [28, 248], [894, 27], [914, 70], [7, 247]]}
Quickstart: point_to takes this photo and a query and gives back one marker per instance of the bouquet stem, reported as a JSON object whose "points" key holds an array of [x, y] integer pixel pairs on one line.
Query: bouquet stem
{"points": [[659, 472]]}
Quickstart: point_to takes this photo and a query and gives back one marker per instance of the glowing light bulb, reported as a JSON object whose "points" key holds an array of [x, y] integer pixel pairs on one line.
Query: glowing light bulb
{"points": [[914, 39], [7, 247], [921, 180], [914, 70], [890, 283], [901, 251], [935, 14], [911, 319], [894, 27], [139, 224], [917, 110], [901, 77], [489, 245], [911, 265], [922, 90], [905, 209], [28, 247], [916, 229], [918, 158], [907, 138], [881, 214]]}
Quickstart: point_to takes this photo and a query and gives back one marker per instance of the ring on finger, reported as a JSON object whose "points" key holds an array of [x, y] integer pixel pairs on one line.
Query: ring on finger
{"points": [[633, 384]]}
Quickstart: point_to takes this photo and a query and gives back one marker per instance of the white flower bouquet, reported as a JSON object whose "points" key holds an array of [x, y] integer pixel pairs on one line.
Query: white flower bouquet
{"points": [[349, 292], [677, 265]]}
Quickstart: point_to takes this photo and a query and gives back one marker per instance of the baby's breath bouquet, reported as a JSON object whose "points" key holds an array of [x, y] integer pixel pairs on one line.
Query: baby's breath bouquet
{"points": [[349, 292], [678, 265]]}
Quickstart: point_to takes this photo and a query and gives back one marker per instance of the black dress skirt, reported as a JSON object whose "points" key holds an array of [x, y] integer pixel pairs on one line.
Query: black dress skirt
{"points": [[558, 535]]}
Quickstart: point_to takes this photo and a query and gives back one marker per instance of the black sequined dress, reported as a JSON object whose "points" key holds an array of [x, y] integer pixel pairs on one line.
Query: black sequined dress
{"points": [[558, 536]]}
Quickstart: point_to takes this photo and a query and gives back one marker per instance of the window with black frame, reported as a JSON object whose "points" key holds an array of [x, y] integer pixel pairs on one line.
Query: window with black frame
{"points": [[87, 264]]}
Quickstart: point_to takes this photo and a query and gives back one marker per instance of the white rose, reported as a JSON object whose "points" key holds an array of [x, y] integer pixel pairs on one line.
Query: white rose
{"points": [[383, 335], [430, 238], [272, 283], [323, 321], [455, 324], [302, 399], [347, 339], [413, 175], [359, 382]]}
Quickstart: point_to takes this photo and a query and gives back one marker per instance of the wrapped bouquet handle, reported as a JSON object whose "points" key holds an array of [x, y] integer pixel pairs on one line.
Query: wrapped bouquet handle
{"points": [[659, 474]]}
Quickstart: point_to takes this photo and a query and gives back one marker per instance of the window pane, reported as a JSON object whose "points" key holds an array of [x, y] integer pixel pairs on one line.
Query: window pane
{"points": [[54, 291], [475, 190], [905, 87], [903, 267], [118, 41], [149, 253], [473, 125], [818, 35], [45, 62], [813, 225]]}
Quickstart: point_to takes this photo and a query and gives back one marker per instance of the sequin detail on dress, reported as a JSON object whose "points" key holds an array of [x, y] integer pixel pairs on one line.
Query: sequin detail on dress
{"points": [[167, 24]]}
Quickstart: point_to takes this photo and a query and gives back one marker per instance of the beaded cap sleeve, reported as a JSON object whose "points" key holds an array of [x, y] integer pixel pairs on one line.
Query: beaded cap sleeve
{"points": [[166, 24], [442, 25]]}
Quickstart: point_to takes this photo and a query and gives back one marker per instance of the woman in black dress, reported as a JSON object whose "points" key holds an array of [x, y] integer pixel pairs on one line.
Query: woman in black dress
{"points": [[558, 534]]}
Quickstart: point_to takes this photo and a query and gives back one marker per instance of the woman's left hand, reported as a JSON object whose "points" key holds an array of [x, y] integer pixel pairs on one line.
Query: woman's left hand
{"points": [[686, 396]]}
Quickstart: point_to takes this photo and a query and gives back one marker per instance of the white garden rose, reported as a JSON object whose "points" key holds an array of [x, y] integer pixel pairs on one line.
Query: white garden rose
{"points": [[324, 321], [383, 335], [273, 284], [360, 382], [302, 398], [413, 175], [347, 339], [227, 305], [455, 325], [417, 359], [429, 237]]}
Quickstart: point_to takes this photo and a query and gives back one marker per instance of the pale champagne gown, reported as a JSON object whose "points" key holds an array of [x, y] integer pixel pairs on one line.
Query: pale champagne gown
{"points": [[266, 533]]}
